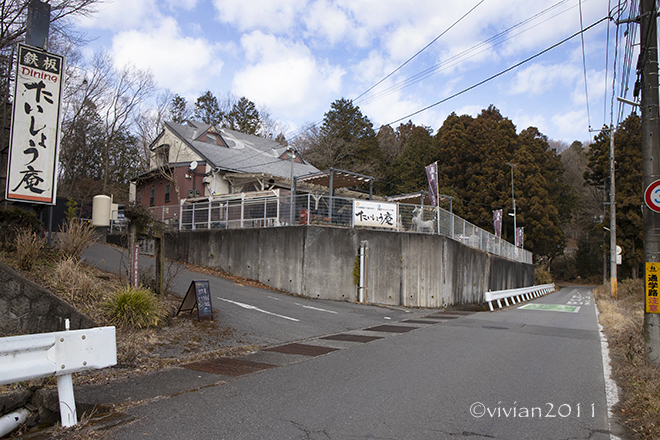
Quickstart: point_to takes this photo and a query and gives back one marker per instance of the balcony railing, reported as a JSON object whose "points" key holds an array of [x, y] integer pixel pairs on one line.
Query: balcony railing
{"points": [[273, 211]]}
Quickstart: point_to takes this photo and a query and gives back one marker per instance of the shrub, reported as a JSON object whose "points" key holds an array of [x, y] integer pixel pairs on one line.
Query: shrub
{"points": [[29, 246], [542, 276], [77, 236], [137, 308]]}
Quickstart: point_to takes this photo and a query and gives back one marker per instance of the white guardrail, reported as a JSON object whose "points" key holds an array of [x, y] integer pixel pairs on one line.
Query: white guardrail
{"points": [[60, 354], [521, 294]]}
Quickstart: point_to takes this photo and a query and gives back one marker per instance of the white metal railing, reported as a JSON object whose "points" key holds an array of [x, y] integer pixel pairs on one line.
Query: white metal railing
{"points": [[517, 295], [57, 354], [240, 211]]}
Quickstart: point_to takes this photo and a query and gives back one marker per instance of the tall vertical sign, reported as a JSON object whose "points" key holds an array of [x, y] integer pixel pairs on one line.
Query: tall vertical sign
{"points": [[432, 176], [519, 237], [32, 175], [497, 222]]}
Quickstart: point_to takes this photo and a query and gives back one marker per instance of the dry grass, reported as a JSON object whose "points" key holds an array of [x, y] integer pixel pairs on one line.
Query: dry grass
{"points": [[638, 380], [76, 237], [79, 284], [179, 339], [29, 247]]}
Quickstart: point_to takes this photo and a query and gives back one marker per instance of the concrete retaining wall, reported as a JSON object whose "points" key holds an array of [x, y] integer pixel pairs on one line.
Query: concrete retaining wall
{"points": [[26, 308], [415, 270]]}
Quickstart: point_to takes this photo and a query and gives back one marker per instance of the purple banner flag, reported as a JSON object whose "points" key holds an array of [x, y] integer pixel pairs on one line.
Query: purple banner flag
{"points": [[432, 176], [497, 223], [519, 237]]}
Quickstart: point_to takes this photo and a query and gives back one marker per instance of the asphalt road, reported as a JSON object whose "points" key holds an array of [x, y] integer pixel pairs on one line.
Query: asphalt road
{"points": [[510, 374], [259, 316]]}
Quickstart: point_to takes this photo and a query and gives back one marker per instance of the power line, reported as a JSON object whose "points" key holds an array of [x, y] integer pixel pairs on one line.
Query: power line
{"points": [[420, 51], [584, 67], [500, 73], [297, 133], [472, 51]]}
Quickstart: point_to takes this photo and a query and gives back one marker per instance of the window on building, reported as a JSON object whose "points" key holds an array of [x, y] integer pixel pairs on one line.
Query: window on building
{"points": [[152, 197], [168, 189], [163, 155]]}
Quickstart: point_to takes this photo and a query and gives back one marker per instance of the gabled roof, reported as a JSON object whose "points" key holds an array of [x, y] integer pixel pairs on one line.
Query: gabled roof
{"points": [[238, 152]]}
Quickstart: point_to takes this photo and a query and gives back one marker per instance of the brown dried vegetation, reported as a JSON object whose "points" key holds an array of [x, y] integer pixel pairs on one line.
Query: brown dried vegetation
{"points": [[638, 380]]}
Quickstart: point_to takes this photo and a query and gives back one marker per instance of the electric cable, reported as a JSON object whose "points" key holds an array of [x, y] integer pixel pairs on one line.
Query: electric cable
{"points": [[419, 51], [490, 78], [462, 56]]}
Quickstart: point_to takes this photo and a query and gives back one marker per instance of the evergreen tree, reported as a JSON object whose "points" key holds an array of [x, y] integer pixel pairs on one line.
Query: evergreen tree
{"points": [[179, 110], [207, 109], [80, 148], [472, 156], [407, 172], [346, 141], [243, 117], [628, 179], [543, 196]]}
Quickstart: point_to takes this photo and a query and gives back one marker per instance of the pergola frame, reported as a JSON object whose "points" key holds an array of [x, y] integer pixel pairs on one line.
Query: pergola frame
{"points": [[333, 178]]}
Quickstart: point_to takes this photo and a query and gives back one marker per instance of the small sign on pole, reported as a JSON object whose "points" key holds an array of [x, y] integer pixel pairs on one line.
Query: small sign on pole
{"points": [[135, 266], [651, 282], [198, 295], [652, 196]]}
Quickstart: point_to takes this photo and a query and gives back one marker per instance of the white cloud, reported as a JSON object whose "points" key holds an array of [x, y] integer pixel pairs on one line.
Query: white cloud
{"points": [[121, 14], [269, 15], [328, 22], [177, 62], [285, 76], [540, 78], [571, 125], [188, 5]]}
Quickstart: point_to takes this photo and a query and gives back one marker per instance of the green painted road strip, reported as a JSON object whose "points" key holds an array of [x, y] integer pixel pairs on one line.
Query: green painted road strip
{"points": [[551, 307]]}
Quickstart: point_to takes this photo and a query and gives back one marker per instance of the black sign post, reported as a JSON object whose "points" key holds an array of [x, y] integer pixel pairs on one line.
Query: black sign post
{"points": [[198, 295]]}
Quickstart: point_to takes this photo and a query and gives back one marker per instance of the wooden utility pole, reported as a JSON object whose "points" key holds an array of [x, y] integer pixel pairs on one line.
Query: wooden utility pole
{"points": [[650, 165]]}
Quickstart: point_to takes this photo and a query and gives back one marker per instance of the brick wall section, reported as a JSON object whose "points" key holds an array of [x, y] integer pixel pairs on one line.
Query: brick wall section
{"points": [[27, 308]]}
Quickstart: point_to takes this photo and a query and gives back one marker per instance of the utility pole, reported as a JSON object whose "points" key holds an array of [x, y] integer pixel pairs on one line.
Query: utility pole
{"points": [[650, 166], [613, 281]]}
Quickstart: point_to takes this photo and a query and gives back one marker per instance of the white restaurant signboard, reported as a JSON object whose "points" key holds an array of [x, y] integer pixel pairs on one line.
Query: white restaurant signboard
{"points": [[375, 214], [32, 176]]}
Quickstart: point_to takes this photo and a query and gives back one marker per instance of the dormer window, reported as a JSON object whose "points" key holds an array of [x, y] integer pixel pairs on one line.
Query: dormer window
{"points": [[163, 156], [288, 154]]}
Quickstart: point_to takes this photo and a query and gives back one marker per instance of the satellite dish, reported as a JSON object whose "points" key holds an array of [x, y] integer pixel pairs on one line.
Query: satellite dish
{"points": [[193, 165]]}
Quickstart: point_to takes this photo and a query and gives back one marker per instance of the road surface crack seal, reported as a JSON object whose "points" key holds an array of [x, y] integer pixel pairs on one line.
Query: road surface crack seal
{"points": [[308, 432], [468, 434]]}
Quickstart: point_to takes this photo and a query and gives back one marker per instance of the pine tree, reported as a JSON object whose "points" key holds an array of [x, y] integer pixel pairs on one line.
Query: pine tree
{"points": [[243, 117], [346, 141], [207, 109], [179, 110]]}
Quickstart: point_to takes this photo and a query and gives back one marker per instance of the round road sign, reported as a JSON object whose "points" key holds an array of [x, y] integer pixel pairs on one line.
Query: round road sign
{"points": [[652, 196]]}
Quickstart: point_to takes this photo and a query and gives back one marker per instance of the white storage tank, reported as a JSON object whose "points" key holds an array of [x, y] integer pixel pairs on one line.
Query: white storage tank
{"points": [[101, 210]]}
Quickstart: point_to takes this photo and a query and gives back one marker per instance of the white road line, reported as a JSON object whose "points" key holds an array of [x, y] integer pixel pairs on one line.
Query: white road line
{"points": [[611, 388], [256, 309], [314, 308]]}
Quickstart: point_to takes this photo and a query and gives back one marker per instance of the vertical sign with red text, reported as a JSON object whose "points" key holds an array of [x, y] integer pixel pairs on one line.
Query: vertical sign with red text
{"points": [[32, 175], [136, 267]]}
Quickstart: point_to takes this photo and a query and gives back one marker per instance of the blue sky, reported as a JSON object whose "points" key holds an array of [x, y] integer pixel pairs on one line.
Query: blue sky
{"points": [[297, 56]]}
